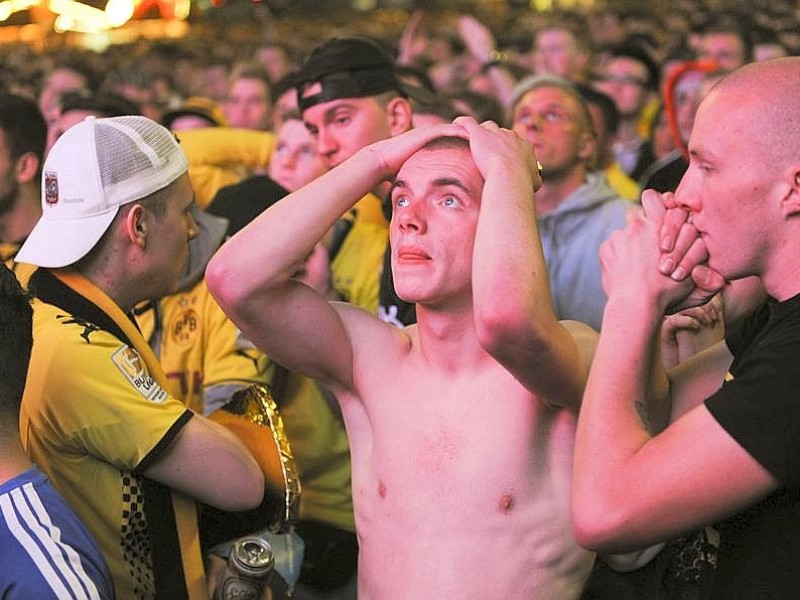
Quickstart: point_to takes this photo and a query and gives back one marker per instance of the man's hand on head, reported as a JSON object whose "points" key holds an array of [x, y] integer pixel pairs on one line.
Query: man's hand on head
{"points": [[392, 152], [492, 146]]}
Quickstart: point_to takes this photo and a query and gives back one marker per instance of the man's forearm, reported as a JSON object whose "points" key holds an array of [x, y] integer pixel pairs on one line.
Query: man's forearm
{"points": [[273, 247], [656, 405], [613, 421], [512, 292]]}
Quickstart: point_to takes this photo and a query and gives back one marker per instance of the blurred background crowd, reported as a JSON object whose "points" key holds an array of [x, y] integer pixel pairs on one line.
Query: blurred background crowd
{"points": [[228, 69], [158, 63]]}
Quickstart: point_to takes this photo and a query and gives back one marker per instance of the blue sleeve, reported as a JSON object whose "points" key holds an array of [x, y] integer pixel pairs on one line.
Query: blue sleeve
{"points": [[45, 550]]}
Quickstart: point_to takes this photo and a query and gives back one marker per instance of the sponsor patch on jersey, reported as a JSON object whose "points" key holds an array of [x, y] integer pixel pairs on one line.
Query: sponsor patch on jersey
{"points": [[131, 365], [185, 327]]}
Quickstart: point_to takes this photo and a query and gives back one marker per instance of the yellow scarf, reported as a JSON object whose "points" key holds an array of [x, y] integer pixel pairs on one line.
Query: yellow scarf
{"points": [[186, 509]]}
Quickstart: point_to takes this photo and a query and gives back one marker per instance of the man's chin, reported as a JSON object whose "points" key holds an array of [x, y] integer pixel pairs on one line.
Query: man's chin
{"points": [[409, 296]]}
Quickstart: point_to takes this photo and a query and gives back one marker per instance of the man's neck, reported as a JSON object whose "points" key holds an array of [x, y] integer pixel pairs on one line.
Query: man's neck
{"points": [[114, 284], [13, 460], [554, 191], [447, 338], [16, 224], [628, 130], [780, 277]]}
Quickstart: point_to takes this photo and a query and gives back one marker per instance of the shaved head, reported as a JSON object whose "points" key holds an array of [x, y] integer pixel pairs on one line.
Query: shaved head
{"points": [[769, 92]]}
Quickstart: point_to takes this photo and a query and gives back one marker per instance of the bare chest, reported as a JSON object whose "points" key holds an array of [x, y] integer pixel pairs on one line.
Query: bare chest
{"points": [[471, 445]]}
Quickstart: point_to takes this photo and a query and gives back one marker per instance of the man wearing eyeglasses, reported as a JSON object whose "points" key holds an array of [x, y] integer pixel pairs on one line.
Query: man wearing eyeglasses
{"points": [[576, 207], [630, 77]]}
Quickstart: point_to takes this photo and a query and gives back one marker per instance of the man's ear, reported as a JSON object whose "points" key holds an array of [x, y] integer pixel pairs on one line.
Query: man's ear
{"points": [[27, 167], [588, 147], [791, 194], [398, 110], [136, 225]]}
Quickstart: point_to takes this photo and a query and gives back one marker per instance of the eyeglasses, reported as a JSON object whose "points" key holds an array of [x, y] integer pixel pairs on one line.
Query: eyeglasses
{"points": [[556, 116], [621, 79]]}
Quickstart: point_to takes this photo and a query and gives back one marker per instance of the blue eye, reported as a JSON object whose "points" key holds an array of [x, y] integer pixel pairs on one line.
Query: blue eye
{"points": [[450, 201], [401, 201]]}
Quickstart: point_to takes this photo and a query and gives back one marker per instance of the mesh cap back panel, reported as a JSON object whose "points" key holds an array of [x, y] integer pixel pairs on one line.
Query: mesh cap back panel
{"points": [[136, 157]]}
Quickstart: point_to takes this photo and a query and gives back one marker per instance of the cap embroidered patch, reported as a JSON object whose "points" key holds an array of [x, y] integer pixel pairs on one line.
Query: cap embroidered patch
{"points": [[50, 188]]}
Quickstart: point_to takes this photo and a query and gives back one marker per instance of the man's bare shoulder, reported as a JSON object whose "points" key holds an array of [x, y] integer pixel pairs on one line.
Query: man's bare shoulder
{"points": [[380, 353], [368, 333], [582, 333]]}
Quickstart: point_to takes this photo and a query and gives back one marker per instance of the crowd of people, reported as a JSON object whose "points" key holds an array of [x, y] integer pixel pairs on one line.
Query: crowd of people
{"points": [[518, 286]]}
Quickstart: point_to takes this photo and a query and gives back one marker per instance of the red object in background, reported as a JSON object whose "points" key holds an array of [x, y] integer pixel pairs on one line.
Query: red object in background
{"points": [[166, 8], [707, 66]]}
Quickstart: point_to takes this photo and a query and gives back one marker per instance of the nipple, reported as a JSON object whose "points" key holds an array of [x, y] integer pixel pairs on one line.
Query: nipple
{"points": [[506, 503]]}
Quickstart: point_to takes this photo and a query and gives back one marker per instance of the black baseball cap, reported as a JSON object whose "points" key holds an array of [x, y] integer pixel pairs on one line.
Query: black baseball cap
{"points": [[350, 67]]}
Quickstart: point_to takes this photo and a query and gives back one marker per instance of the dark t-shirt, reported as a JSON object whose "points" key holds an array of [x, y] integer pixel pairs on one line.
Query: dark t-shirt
{"points": [[242, 202], [391, 308], [760, 408], [664, 177]]}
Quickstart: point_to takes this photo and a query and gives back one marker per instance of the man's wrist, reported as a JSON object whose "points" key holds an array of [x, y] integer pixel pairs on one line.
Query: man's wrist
{"points": [[634, 306]]}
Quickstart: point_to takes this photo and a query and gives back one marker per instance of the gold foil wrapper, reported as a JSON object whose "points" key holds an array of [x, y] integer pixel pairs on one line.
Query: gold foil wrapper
{"points": [[255, 403]]}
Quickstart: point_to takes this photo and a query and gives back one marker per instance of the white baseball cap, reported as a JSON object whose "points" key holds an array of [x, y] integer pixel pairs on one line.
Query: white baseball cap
{"points": [[94, 168]]}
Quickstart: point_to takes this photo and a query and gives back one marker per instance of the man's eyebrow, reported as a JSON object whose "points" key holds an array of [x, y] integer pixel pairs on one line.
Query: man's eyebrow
{"points": [[398, 183], [448, 181], [441, 182], [345, 105], [701, 153]]}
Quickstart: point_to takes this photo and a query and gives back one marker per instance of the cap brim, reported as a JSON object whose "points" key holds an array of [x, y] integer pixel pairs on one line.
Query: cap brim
{"points": [[57, 243]]}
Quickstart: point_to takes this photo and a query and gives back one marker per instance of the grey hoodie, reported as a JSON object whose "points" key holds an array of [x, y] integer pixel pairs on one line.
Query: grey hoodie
{"points": [[571, 237]]}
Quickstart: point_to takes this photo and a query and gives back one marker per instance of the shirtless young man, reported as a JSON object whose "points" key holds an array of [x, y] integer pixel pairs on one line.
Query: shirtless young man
{"points": [[461, 426]]}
